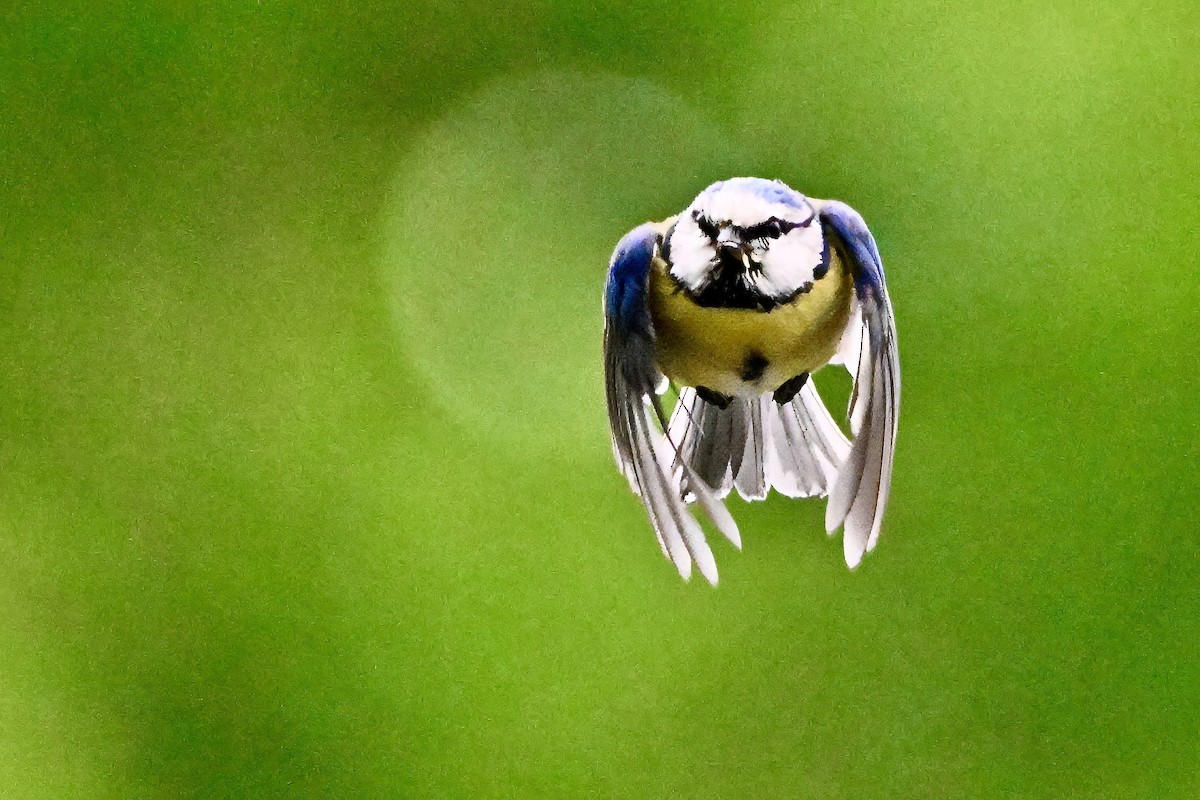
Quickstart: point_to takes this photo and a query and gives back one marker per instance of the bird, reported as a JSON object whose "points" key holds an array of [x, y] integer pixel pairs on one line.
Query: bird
{"points": [[736, 302]]}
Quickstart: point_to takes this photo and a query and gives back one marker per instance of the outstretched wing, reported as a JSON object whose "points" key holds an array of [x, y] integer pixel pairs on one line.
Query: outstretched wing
{"points": [[647, 457], [860, 493]]}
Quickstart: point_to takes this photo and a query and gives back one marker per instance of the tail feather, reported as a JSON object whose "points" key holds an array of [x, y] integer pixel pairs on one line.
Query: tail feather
{"points": [[751, 478], [704, 434], [756, 444]]}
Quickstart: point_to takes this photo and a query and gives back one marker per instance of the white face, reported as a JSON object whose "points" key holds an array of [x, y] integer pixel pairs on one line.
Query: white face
{"points": [[768, 229]]}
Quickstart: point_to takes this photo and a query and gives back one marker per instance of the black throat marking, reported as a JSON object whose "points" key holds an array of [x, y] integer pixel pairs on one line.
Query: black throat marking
{"points": [[728, 286]]}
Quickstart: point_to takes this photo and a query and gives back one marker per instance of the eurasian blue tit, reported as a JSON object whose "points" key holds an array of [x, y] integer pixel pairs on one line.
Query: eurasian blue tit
{"points": [[737, 301]]}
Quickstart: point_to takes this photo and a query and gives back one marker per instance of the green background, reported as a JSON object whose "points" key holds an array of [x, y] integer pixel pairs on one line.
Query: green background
{"points": [[305, 484]]}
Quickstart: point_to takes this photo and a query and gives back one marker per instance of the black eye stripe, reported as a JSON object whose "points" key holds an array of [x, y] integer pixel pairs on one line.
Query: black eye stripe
{"points": [[773, 228], [705, 224]]}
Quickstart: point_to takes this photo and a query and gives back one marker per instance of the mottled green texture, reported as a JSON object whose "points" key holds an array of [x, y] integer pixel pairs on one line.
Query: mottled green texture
{"points": [[305, 487]]}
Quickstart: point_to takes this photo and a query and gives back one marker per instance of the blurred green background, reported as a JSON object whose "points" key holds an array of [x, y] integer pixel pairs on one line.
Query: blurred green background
{"points": [[305, 484]]}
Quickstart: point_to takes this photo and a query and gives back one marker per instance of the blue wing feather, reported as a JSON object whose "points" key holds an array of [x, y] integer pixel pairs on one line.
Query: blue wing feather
{"points": [[865, 262], [628, 278], [861, 492]]}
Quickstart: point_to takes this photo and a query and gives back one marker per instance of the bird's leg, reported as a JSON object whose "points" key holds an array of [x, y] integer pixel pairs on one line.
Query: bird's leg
{"points": [[784, 394], [717, 399]]}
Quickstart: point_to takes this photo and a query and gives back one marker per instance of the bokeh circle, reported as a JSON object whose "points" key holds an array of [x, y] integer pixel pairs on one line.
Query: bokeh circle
{"points": [[499, 228]]}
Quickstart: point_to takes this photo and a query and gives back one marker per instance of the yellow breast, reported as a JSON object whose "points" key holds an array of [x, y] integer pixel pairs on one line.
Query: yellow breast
{"points": [[713, 347]]}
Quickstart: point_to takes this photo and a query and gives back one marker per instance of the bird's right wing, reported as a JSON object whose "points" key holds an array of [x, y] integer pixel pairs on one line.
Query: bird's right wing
{"points": [[647, 457]]}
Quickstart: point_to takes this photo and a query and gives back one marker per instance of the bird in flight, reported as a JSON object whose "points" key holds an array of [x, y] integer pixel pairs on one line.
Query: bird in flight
{"points": [[737, 301]]}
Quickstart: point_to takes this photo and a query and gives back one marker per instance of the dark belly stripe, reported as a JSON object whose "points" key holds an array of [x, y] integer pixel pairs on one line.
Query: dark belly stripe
{"points": [[754, 367]]}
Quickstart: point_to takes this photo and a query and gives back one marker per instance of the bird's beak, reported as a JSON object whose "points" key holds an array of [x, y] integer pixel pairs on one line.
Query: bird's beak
{"points": [[731, 248]]}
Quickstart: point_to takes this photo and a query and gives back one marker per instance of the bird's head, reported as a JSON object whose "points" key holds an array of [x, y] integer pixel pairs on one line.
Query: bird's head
{"points": [[747, 243]]}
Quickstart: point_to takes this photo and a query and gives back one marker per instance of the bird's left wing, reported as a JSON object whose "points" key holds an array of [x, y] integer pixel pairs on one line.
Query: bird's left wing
{"points": [[647, 456], [860, 493]]}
